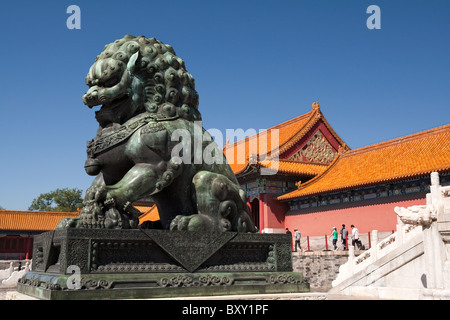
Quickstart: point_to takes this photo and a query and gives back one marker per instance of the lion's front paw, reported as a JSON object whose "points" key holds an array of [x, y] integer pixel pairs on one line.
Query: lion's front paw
{"points": [[196, 222], [180, 223]]}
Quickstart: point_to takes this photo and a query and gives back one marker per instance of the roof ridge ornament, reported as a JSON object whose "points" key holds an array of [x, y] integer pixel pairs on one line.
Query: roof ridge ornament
{"points": [[343, 148], [315, 105]]}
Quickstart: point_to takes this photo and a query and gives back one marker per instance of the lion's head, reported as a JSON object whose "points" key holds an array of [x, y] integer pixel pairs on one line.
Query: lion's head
{"points": [[135, 74]]}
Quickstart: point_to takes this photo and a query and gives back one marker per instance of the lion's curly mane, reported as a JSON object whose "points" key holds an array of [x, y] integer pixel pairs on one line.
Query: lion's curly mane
{"points": [[165, 78]]}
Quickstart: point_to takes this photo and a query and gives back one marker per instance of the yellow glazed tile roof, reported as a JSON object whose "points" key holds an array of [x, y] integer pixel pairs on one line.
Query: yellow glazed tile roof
{"points": [[15, 220], [289, 133], [285, 131], [148, 213], [292, 167], [32, 220], [406, 157]]}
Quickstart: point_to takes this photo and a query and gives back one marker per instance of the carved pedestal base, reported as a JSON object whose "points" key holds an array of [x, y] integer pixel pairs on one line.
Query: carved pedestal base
{"points": [[128, 264], [161, 285]]}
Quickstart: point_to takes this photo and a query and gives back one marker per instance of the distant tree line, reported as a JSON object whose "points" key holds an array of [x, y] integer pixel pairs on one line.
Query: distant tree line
{"points": [[62, 200]]}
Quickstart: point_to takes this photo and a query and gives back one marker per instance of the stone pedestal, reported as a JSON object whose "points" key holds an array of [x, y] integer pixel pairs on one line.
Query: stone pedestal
{"points": [[129, 264]]}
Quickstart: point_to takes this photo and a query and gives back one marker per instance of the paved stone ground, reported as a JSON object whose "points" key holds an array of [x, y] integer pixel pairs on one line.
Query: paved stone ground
{"points": [[3, 293], [283, 296]]}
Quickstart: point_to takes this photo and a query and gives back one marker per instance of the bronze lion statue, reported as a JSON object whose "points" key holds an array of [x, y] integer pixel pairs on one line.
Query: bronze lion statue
{"points": [[148, 145]]}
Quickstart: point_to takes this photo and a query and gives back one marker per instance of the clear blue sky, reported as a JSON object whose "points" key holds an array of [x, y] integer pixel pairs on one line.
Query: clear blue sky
{"points": [[256, 64]]}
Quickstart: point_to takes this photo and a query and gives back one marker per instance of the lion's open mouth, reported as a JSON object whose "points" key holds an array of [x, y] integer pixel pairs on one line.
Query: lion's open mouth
{"points": [[108, 107], [110, 111]]}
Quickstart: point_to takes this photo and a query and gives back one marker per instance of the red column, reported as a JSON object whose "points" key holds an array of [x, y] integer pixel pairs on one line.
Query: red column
{"points": [[29, 248], [261, 212]]}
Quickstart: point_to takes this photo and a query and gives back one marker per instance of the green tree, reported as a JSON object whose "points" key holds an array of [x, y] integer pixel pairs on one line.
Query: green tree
{"points": [[63, 200]]}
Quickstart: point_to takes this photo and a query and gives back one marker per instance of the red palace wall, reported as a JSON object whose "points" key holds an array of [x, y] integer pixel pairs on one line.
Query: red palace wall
{"points": [[368, 215], [271, 212], [274, 212]]}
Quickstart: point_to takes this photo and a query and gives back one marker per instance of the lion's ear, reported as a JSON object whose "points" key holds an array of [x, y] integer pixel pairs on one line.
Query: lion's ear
{"points": [[131, 65]]}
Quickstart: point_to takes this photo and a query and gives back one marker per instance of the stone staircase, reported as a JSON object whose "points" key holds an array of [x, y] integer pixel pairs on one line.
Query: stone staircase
{"points": [[412, 263]]}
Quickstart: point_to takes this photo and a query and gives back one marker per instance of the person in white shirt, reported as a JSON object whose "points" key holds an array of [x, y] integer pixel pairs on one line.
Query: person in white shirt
{"points": [[297, 236], [355, 237]]}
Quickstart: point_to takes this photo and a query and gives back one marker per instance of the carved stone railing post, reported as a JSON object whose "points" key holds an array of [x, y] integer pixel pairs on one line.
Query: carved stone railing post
{"points": [[440, 200], [374, 248], [400, 231], [351, 258], [434, 188]]}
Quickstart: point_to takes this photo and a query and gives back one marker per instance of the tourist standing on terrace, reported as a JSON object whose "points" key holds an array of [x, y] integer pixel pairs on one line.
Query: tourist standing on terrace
{"points": [[334, 236], [344, 236], [297, 236], [355, 237]]}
